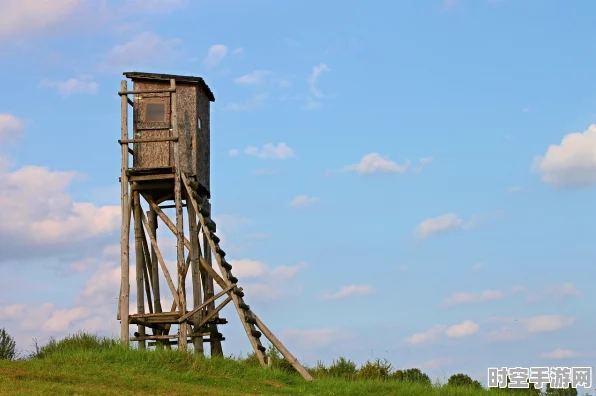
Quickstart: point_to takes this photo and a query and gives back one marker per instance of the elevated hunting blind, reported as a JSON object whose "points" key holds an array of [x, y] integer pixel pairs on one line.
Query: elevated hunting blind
{"points": [[171, 162]]}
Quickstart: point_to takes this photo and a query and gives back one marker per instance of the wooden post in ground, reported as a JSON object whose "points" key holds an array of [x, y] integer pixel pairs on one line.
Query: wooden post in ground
{"points": [[215, 343], [140, 262], [125, 229], [196, 275], [152, 220], [183, 328]]}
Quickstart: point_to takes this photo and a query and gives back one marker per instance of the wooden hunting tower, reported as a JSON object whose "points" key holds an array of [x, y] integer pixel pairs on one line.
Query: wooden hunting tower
{"points": [[171, 162]]}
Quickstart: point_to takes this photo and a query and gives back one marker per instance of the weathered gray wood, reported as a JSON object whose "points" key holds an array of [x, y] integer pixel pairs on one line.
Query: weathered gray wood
{"points": [[125, 228], [147, 266], [214, 312], [206, 303], [149, 140], [161, 261], [172, 228], [215, 343], [196, 277], [284, 351], [152, 217], [163, 176], [149, 91], [139, 262]]}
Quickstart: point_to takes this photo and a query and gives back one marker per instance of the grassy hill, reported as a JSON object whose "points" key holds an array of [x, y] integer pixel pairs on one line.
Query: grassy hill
{"points": [[89, 365]]}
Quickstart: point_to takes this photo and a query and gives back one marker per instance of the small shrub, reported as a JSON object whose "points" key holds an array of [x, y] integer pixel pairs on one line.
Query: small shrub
{"points": [[343, 368], [412, 375], [278, 361], [7, 346], [463, 380], [320, 370], [378, 369], [560, 392]]}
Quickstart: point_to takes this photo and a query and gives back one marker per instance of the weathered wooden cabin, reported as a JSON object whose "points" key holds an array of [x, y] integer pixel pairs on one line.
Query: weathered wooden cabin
{"points": [[152, 118]]}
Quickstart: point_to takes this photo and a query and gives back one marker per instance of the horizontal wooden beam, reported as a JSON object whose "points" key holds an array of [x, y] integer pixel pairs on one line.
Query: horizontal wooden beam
{"points": [[147, 91], [149, 140], [132, 177]]}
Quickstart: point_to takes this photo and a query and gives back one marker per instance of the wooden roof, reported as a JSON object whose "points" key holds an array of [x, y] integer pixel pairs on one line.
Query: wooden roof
{"points": [[167, 77]]}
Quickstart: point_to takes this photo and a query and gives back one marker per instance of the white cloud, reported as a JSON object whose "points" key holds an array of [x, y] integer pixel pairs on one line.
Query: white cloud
{"points": [[557, 292], [39, 213], [572, 163], [464, 329], [238, 51], [314, 77], [9, 126], [254, 103], [248, 268], [215, 55], [303, 200], [146, 50], [428, 336], [477, 266], [547, 323], [560, 354], [459, 298], [271, 151], [522, 328], [438, 224], [514, 189], [72, 86], [19, 17], [256, 77], [348, 291], [375, 163], [234, 153], [60, 320], [264, 283]]}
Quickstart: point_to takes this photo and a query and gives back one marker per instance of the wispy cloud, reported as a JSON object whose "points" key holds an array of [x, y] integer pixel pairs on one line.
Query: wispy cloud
{"points": [[255, 102], [460, 298], [347, 291], [72, 86], [303, 200], [466, 328], [376, 163], [267, 151], [215, 55], [254, 78], [437, 225], [9, 127]]}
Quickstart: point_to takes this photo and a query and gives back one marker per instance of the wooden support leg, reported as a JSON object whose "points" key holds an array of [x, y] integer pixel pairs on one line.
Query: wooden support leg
{"points": [[125, 228], [196, 277], [216, 347], [182, 345], [152, 220], [140, 263]]}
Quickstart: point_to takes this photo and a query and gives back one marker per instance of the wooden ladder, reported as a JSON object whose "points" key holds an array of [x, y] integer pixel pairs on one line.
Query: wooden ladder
{"points": [[251, 323]]}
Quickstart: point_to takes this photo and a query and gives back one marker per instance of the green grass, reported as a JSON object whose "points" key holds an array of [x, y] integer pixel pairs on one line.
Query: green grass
{"points": [[89, 365]]}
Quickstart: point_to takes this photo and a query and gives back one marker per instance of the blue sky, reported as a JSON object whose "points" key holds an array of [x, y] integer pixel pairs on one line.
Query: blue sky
{"points": [[411, 181]]}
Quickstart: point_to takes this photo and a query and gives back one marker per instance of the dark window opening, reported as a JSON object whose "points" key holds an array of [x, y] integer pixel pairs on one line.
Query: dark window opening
{"points": [[155, 112]]}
